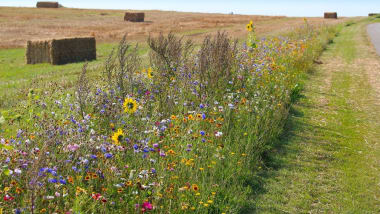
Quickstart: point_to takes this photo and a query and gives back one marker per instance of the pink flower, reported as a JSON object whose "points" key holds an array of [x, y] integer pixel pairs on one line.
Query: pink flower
{"points": [[96, 196], [147, 206], [72, 147]]}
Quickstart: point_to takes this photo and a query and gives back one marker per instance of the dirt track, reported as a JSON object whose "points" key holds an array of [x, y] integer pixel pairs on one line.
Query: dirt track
{"points": [[374, 33]]}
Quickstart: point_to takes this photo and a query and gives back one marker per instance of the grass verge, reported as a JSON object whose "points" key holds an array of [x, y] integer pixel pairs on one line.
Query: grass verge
{"points": [[328, 160]]}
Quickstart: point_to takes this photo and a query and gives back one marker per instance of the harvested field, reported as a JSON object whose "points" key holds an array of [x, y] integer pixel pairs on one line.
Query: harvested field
{"points": [[61, 51], [18, 25]]}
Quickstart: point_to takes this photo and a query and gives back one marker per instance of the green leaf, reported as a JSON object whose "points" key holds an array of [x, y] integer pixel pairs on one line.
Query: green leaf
{"points": [[2, 120]]}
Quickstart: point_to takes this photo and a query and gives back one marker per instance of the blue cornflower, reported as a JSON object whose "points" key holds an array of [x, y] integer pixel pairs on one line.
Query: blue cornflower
{"points": [[52, 180], [108, 155]]}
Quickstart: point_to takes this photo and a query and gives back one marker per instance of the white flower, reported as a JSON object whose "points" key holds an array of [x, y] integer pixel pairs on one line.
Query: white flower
{"points": [[131, 174], [18, 171], [218, 134]]}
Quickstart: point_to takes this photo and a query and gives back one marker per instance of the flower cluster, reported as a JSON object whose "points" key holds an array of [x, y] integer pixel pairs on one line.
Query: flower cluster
{"points": [[181, 140]]}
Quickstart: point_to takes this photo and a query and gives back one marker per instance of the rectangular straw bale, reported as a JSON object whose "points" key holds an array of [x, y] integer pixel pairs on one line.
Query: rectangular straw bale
{"points": [[38, 52], [331, 15], [47, 4], [61, 51], [73, 50], [134, 17]]}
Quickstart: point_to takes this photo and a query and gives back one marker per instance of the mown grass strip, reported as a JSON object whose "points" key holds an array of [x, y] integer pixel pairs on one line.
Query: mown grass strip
{"points": [[327, 162]]}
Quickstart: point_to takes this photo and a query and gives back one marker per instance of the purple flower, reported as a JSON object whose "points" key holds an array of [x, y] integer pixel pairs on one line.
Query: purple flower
{"points": [[108, 155], [162, 154], [52, 180], [202, 133], [62, 181]]}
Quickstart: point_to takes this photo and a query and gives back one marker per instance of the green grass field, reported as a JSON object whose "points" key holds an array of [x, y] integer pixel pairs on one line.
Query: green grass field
{"points": [[16, 78], [328, 159]]}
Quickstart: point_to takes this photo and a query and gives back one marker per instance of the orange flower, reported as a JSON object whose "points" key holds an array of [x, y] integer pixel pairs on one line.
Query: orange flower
{"points": [[18, 190], [195, 187], [94, 176]]}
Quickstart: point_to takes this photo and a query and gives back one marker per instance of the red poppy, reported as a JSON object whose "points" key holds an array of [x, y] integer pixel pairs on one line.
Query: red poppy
{"points": [[8, 198]]}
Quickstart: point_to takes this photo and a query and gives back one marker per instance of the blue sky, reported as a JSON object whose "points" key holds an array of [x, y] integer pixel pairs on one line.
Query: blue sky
{"points": [[259, 7]]}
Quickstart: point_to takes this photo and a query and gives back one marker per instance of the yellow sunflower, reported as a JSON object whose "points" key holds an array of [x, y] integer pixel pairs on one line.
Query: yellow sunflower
{"points": [[130, 105], [118, 136], [149, 73], [250, 26]]}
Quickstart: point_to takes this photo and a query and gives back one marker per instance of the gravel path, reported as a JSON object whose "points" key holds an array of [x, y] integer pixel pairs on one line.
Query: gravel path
{"points": [[374, 33]]}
